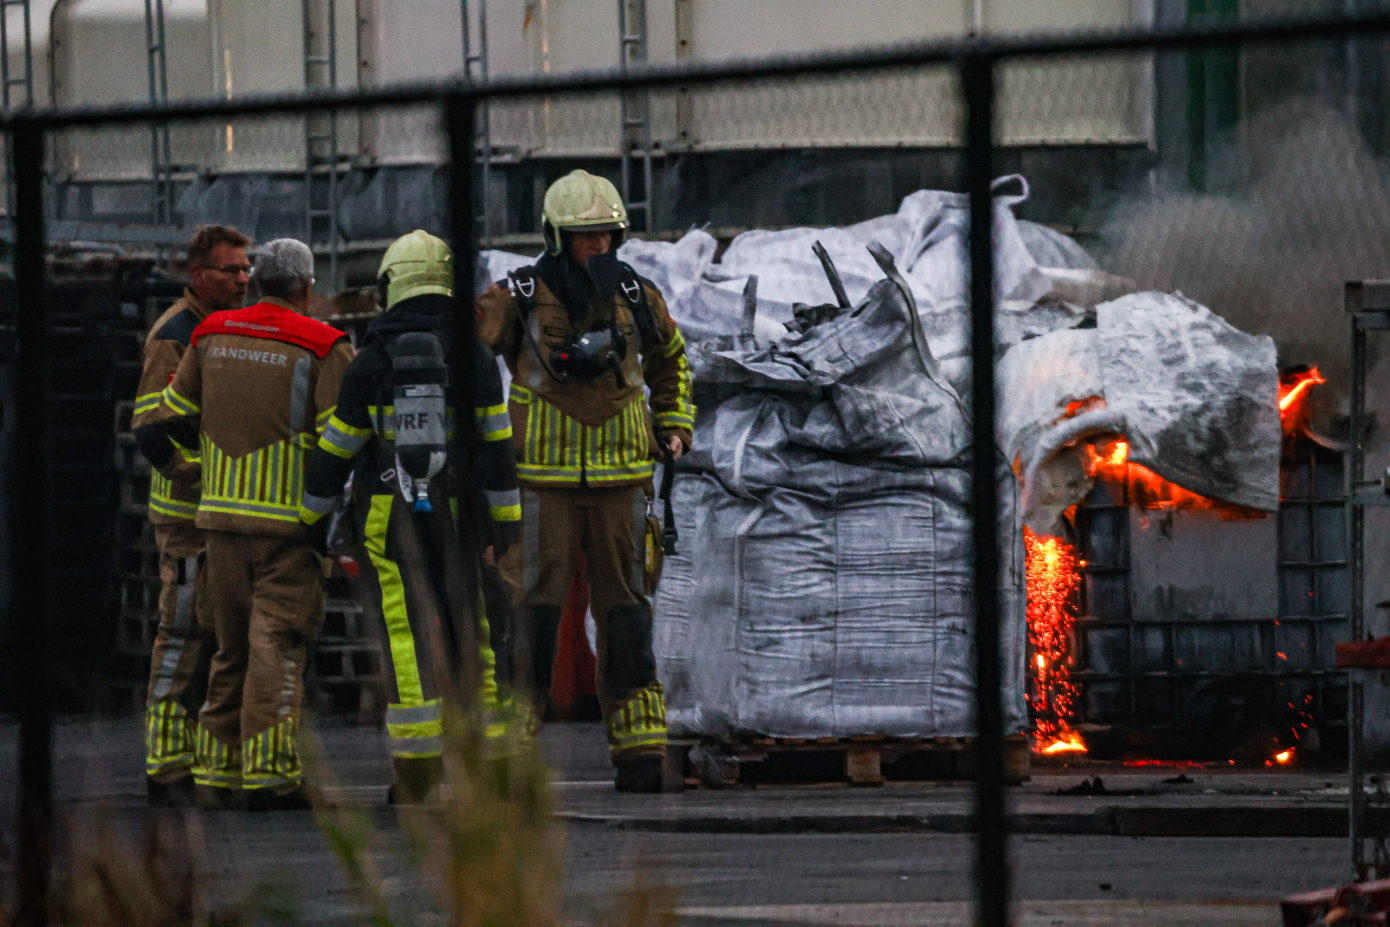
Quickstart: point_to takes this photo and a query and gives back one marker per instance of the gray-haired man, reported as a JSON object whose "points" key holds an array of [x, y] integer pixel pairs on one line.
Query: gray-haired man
{"points": [[254, 391]]}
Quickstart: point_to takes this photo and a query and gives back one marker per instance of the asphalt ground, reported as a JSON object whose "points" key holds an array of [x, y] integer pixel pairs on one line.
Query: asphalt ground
{"points": [[1219, 849]]}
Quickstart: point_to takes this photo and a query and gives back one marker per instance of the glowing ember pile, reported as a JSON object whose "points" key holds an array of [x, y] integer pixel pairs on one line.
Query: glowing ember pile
{"points": [[1052, 580]]}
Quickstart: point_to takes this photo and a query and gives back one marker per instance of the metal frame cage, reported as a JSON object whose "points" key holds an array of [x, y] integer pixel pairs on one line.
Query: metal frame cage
{"points": [[977, 63]]}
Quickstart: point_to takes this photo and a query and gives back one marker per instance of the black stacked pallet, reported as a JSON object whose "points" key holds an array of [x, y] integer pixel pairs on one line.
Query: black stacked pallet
{"points": [[94, 362], [137, 605], [345, 669]]}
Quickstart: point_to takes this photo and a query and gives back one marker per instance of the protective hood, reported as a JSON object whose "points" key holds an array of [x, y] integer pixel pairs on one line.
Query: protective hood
{"points": [[576, 286], [426, 313]]}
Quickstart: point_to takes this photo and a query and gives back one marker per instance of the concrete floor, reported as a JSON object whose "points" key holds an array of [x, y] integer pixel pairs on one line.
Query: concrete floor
{"points": [[729, 878]]}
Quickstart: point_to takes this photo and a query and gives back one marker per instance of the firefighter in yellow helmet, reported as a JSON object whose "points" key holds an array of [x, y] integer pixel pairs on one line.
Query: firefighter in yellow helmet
{"points": [[585, 339], [389, 432]]}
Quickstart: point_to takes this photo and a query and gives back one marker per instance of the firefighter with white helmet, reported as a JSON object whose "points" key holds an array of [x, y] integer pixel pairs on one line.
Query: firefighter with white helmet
{"points": [[600, 385], [389, 432]]}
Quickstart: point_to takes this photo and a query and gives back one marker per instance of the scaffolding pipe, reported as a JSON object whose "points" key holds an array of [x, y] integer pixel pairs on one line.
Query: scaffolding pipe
{"points": [[483, 136], [8, 82], [161, 160], [315, 65], [636, 131]]}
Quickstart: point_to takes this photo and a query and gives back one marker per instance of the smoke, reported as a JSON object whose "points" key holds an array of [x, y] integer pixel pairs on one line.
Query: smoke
{"points": [[1301, 207]]}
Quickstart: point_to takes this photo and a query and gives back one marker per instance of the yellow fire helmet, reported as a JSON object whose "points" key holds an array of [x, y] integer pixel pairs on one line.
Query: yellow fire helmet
{"points": [[414, 265], [580, 201]]}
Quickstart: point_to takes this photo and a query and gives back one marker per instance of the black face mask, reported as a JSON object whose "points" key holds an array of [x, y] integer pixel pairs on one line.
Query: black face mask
{"points": [[576, 285], [604, 273]]}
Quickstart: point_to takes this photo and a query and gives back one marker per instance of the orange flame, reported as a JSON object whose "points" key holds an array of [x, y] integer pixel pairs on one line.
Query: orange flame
{"points": [[1068, 743], [1052, 577], [1289, 393], [1116, 456], [1108, 458], [1282, 758]]}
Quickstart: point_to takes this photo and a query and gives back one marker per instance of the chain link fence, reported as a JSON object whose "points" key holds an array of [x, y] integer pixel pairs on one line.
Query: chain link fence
{"points": [[1239, 170]]}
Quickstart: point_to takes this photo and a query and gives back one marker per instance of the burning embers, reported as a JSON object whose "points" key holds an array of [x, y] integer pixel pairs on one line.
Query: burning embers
{"points": [[1052, 578]]}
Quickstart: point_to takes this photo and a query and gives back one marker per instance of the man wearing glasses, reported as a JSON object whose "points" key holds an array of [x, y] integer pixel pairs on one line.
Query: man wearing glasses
{"points": [[182, 651]]}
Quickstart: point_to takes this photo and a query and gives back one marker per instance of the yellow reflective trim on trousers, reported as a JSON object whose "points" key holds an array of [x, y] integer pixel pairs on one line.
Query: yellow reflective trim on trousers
{"points": [[410, 731], [170, 738], [488, 698], [409, 689], [506, 513], [215, 763], [638, 722], [270, 759]]}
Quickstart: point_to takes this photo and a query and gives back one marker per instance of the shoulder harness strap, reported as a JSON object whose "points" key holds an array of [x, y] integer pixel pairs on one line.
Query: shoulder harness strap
{"points": [[522, 283], [636, 295]]}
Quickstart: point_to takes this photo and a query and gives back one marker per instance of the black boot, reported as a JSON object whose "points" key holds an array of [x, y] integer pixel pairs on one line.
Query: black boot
{"points": [[174, 793], [271, 800], [418, 780], [639, 774], [218, 798]]}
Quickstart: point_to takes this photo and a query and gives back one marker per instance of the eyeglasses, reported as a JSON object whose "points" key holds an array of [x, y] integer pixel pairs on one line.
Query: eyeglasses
{"points": [[231, 270]]}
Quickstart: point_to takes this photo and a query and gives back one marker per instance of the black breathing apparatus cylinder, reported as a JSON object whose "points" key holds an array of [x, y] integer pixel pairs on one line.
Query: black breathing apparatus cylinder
{"points": [[419, 379]]}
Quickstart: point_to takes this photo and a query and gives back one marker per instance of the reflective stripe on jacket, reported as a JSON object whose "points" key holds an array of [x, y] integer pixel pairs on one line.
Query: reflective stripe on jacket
{"points": [[171, 502], [263, 402], [582, 433], [557, 450]]}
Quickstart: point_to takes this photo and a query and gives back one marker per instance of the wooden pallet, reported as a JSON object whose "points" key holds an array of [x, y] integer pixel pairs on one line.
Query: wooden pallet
{"points": [[860, 761]]}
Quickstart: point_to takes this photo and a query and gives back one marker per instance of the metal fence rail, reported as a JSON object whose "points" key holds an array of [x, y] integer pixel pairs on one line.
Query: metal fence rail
{"points": [[977, 62]]}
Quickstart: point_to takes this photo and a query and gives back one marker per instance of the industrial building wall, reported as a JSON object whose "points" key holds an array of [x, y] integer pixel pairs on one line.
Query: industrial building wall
{"points": [[95, 53], [818, 153]]}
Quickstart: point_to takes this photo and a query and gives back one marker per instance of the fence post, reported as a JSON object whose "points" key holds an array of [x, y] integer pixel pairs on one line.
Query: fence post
{"points": [[991, 850], [460, 120], [30, 614]]}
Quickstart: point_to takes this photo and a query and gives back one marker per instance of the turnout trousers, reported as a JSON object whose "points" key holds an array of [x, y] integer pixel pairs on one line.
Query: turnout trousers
{"points": [[607, 527], [266, 600], [412, 580], [179, 660]]}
